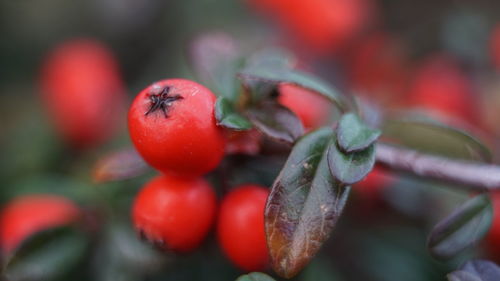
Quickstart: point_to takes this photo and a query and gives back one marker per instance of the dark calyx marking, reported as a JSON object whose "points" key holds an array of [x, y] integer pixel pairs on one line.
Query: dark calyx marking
{"points": [[162, 100]]}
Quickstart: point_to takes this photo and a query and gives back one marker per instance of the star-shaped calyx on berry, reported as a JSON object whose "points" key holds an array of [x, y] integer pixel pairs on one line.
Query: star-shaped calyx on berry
{"points": [[162, 100]]}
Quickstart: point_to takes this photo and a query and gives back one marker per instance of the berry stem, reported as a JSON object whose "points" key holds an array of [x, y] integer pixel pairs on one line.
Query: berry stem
{"points": [[466, 174]]}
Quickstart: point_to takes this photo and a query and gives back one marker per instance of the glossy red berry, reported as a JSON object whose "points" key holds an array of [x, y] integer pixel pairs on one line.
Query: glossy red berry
{"points": [[311, 108], [172, 126], [26, 215], [175, 213], [83, 91], [240, 227]]}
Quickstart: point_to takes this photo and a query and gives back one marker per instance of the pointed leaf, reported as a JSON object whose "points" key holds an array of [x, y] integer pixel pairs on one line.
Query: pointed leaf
{"points": [[276, 121], [353, 134], [255, 276], [47, 255], [228, 117], [280, 74], [476, 270], [215, 59], [119, 165], [303, 206], [461, 229], [432, 137], [350, 168]]}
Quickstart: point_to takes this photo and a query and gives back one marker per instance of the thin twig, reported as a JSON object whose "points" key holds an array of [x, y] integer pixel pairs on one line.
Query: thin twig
{"points": [[467, 174]]}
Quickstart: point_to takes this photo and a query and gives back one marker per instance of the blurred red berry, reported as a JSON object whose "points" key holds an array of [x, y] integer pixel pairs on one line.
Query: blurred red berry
{"points": [[83, 91], [175, 213], [323, 25], [26, 215], [441, 87], [373, 184], [172, 126], [378, 68], [240, 227], [311, 108]]}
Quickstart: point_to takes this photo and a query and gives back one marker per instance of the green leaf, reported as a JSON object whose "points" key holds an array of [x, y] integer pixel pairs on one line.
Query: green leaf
{"points": [[353, 134], [47, 255], [435, 138], [276, 121], [216, 60], [462, 228], [278, 73], [119, 165], [350, 168], [476, 270], [255, 276], [228, 117], [303, 206]]}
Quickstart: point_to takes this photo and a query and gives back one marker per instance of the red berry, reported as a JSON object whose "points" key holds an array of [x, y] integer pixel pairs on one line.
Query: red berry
{"points": [[378, 67], [83, 91], [26, 215], [440, 86], [175, 213], [241, 227], [311, 108], [323, 25], [371, 186], [172, 126]]}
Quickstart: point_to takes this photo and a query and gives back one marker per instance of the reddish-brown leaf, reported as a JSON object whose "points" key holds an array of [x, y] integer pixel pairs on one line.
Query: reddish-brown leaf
{"points": [[119, 165], [304, 205]]}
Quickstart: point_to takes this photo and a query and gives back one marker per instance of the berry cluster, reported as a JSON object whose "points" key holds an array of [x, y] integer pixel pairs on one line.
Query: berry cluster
{"points": [[173, 127]]}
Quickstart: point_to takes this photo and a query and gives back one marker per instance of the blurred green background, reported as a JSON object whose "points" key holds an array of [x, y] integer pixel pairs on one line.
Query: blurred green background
{"points": [[381, 239]]}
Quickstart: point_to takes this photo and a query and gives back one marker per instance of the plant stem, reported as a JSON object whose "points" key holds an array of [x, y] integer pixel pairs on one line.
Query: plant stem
{"points": [[467, 174]]}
